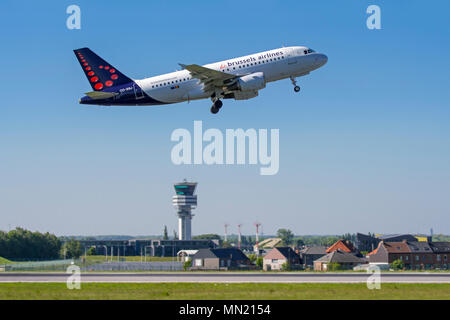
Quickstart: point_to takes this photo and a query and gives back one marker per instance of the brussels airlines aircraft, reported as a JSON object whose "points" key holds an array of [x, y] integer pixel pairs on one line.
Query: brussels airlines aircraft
{"points": [[238, 78]]}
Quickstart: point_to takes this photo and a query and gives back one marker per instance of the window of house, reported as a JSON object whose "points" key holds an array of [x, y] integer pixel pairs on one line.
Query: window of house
{"points": [[198, 262], [438, 257], [274, 260], [417, 258]]}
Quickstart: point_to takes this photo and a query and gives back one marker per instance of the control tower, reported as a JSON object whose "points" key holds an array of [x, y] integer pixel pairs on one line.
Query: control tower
{"points": [[184, 201]]}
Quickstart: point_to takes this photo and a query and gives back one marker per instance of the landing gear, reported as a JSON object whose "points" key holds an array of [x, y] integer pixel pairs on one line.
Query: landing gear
{"points": [[217, 103], [216, 106], [296, 87]]}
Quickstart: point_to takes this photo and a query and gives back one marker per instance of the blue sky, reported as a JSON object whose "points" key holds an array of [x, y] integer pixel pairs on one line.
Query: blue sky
{"points": [[364, 147]]}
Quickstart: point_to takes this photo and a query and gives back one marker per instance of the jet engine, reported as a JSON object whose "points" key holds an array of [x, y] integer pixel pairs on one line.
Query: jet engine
{"points": [[251, 82]]}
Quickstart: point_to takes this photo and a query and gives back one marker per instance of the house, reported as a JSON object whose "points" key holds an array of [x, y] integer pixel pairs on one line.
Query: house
{"points": [[277, 257], [421, 255], [345, 246], [268, 243], [344, 259], [309, 254], [415, 255], [220, 258], [388, 252], [186, 255], [441, 252]]}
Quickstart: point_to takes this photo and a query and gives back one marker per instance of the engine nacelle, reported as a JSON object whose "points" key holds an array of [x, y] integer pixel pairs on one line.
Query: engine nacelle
{"points": [[251, 82], [244, 95]]}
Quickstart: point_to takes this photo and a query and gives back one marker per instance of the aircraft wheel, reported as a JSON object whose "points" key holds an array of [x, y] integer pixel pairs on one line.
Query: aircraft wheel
{"points": [[218, 104], [296, 88], [214, 109]]}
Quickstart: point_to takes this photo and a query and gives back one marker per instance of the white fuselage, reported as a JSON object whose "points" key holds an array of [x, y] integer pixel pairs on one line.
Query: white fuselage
{"points": [[275, 64]]}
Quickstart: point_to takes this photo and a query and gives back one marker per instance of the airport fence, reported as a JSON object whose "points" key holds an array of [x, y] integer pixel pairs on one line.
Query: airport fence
{"points": [[136, 266], [51, 265]]}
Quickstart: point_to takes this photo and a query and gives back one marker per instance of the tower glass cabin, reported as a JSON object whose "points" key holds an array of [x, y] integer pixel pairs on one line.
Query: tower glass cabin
{"points": [[184, 201]]}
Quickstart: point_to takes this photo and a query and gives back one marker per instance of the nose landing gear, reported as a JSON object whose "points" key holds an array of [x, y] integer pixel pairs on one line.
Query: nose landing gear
{"points": [[296, 87]]}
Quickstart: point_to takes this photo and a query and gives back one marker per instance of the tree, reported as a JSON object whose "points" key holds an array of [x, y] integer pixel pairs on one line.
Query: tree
{"points": [[72, 249], [187, 264], [397, 264], [91, 251], [286, 266], [226, 244], [175, 236], [299, 242], [165, 235], [260, 262], [286, 236], [24, 244], [207, 236], [252, 258]]}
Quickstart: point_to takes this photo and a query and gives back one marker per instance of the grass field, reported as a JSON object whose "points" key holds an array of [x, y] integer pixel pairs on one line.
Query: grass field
{"points": [[4, 261], [211, 291]]}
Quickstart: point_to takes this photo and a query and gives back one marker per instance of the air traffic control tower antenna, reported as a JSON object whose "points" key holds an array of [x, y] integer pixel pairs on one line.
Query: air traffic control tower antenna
{"points": [[184, 201]]}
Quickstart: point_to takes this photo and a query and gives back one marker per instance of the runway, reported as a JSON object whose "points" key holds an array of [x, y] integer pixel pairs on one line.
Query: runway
{"points": [[230, 277]]}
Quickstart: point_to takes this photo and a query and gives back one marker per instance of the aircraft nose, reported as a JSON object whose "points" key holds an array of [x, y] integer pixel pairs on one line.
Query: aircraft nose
{"points": [[322, 59]]}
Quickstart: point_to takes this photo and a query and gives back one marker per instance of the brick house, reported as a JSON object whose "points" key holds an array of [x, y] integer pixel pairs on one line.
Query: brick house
{"points": [[441, 258], [415, 255], [278, 256]]}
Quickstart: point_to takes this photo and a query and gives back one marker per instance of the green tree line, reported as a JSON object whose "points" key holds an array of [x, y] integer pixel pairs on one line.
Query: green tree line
{"points": [[24, 244]]}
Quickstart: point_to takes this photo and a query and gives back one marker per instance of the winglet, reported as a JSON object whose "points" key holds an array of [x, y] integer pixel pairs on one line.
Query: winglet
{"points": [[183, 65]]}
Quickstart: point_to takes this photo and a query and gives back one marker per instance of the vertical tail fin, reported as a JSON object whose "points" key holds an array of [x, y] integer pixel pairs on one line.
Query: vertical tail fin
{"points": [[100, 73]]}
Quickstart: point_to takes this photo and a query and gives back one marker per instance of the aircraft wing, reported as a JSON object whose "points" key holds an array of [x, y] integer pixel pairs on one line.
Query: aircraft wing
{"points": [[209, 77]]}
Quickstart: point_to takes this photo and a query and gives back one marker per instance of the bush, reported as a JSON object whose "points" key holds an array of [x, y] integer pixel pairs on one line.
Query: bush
{"points": [[334, 266], [397, 264], [260, 262], [286, 266], [187, 265]]}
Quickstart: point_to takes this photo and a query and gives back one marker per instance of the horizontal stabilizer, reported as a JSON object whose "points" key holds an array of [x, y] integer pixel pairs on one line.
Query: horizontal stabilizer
{"points": [[101, 94]]}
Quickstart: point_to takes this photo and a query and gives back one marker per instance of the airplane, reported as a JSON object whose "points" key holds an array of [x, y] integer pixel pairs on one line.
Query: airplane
{"points": [[239, 78]]}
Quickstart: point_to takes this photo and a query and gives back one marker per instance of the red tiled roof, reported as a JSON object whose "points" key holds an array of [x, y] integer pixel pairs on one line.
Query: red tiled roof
{"points": [[376, 250], [343, 245]]}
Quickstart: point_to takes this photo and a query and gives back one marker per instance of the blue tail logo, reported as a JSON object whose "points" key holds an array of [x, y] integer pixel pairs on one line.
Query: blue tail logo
{"points": [[100, 73]]}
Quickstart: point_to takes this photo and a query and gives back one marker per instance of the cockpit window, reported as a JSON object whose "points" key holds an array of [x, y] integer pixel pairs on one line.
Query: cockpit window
{"points": [[306, 51]]}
